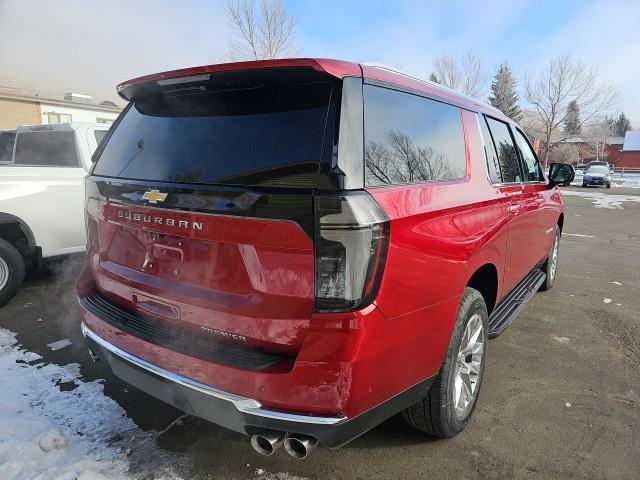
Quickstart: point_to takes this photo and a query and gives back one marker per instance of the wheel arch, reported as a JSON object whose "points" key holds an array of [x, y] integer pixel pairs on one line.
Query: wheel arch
{"points": [[16, 231], [485, 279], [561, 221]]}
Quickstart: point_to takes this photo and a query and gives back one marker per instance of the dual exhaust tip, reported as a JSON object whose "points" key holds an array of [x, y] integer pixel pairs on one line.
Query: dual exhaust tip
{"points": [[297, 445]]}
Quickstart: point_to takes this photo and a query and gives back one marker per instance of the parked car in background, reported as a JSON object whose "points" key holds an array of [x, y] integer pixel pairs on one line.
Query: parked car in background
{"points": [[597, 173], [299, 249], [42, 197]]}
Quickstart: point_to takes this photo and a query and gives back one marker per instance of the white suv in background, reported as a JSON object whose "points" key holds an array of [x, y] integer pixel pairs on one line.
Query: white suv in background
{"points": [[42, 197]]}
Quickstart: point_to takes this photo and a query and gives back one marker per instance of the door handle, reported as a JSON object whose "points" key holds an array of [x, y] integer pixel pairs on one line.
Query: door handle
{"points": [[513, 207]]}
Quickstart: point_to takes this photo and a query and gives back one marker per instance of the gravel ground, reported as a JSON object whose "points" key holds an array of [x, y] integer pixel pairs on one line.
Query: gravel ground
{"points": [[560, 398]]}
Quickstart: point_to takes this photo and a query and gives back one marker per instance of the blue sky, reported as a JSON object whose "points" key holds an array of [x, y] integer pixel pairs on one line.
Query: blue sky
{"points": [[89, 46]]}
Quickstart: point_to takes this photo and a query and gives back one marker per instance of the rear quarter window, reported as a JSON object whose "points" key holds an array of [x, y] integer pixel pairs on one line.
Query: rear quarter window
{"points": [[99, 135], [411, 139], [47, 149], [6, 146]]}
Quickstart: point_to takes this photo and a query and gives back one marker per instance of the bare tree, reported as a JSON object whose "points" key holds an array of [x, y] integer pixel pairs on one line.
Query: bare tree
{"points": [[565, 153], [400, 160], [465, 74], [262, 30], [563, 80]]}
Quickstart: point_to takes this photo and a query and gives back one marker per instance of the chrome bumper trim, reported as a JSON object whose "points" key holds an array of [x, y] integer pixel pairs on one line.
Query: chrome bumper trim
{"points": [[245, 405]]}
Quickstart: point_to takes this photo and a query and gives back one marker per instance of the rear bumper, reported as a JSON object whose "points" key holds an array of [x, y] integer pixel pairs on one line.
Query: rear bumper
{"points": [[239, 413]]}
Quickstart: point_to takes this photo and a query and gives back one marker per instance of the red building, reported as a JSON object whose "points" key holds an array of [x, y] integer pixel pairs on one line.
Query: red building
{"points": [[613, 149], [630, 151]]}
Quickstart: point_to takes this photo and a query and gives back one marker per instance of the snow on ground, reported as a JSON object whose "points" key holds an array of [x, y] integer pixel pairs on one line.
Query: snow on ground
{"points": [[65, 342], [627, 180], [603, 200], [78, 433]]}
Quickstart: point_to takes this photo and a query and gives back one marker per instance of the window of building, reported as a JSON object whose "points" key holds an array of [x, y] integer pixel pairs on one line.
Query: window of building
{"points": [[506, 151], [59, 117], [108, 121], [410, 139], [532, 170], [46, 148]]}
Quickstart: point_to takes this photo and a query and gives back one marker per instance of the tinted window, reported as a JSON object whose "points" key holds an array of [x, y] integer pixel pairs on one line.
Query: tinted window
{"points": [[531, 167], [261, 132], [409, 138], [490, 153], [99, 134], [507, 155], [46, 148], [6, 146]]}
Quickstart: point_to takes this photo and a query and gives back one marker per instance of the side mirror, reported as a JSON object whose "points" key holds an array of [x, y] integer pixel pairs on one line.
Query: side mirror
{"points": [[561, 174]]}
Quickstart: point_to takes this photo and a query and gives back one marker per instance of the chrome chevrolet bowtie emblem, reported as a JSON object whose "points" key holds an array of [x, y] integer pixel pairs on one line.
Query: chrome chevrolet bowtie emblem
{"points": [[154, 196]]}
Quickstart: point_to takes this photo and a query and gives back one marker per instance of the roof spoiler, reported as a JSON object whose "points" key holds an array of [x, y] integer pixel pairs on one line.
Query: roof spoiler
{"points": [[336, 68]]}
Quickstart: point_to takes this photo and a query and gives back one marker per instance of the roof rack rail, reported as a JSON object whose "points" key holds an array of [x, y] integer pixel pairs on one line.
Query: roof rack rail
{"points": [[382, 66]]}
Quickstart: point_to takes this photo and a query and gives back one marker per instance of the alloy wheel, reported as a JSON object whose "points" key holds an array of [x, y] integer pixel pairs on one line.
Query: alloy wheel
{"points": [[4, 273], [466, 380], [553, 259]]}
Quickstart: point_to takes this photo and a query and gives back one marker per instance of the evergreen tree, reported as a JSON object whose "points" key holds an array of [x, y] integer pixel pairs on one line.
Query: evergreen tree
{"points": [[433, 77], [572, 119], [504, 95], [621, 125]]}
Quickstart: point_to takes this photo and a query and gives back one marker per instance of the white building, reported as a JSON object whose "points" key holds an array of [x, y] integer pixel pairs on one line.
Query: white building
{"points": [[19, 109], [77, 108]]}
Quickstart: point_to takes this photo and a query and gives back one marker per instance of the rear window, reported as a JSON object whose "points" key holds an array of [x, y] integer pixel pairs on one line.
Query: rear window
{"points": [[47, 149], [243, 129], [410, 139], [6, 146]]}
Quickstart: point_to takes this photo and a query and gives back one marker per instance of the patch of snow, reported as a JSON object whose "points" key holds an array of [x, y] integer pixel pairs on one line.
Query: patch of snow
{"points": [[579, 235], [607, 300], [52, 440], [567, 404], [616, 283], [618, 179], [65, 342], [564, 340], [67, 435], [275, 476], [603, 200]]}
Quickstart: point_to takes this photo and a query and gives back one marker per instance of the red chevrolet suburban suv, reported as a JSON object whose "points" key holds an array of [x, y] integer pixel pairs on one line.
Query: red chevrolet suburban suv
{"points": [[299, 249]]}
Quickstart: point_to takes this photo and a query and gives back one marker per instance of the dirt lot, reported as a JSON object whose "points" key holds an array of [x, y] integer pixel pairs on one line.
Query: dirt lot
{"points": [[560, 399]]}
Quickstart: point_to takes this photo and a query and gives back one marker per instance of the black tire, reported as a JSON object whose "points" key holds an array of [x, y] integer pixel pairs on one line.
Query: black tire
{"points": [[584, 185], [608, 185], [436, 413], [11, 271], [548, 268]]}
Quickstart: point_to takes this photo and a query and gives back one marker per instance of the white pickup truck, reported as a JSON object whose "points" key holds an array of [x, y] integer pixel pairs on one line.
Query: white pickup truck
{"points": [[42, 197]]}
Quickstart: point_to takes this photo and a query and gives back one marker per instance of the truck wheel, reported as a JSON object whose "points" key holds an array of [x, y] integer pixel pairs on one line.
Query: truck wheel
{"points": [[448, 406], [550, 267], [11, 271]]}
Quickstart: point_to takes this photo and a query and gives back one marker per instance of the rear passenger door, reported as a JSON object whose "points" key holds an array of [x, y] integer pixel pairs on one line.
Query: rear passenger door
{"points": [[505, 170]]}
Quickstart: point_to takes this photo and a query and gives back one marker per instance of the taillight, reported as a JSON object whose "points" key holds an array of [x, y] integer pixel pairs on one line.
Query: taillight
{"points": [[352, 235]]}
